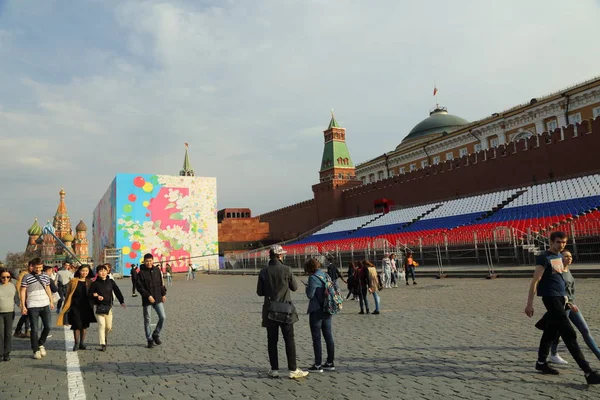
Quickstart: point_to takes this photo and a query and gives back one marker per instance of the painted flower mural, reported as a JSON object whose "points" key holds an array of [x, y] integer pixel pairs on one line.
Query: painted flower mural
{"points": [[171, 217]]}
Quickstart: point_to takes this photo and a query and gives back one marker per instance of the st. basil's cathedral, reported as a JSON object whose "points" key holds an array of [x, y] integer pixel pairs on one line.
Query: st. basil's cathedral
{"points": [[45, 246]]}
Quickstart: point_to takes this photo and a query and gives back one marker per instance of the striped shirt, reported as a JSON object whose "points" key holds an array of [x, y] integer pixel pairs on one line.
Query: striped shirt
{"points": [[36, 293]]}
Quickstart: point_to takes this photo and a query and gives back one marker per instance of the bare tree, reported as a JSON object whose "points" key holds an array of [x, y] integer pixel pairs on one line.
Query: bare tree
{"points": [[15, 260]]}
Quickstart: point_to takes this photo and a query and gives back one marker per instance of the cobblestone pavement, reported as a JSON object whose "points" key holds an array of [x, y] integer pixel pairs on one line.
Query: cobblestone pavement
{"points": [[451, 339]]}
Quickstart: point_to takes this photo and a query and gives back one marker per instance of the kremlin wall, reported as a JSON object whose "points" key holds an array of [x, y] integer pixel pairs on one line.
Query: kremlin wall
{"points": [[549, 138]]}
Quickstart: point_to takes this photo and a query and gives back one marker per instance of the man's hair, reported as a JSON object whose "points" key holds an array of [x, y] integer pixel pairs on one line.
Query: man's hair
{"points": [[47, 267], [312, 265], [557, 235], [148, 256], [36, 261], [101, 268]]}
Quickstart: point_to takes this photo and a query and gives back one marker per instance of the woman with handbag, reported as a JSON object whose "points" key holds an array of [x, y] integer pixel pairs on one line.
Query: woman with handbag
{"points": [[101, 292], [78, 310]]}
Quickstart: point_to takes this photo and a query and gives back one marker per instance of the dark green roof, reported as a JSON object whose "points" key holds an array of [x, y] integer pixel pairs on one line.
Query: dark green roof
{"points": [[438, 121], [334, 152], [333, 123]]}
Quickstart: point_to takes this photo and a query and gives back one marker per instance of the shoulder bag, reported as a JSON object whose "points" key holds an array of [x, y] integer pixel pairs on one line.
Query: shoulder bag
{"points": [[282, 312]]}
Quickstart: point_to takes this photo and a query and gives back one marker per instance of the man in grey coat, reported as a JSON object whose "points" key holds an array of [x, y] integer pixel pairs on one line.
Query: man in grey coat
{"points": [[274, 283]]}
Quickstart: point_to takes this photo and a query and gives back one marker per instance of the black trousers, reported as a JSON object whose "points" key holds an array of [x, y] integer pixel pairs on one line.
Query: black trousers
{"points": [[133, 283], [6, 321], [287, 330], [24, 320], [557, 323]]}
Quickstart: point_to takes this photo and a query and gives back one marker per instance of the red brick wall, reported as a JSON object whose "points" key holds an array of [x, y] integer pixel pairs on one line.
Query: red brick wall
{"points": [[243, 230], [517, 164]]}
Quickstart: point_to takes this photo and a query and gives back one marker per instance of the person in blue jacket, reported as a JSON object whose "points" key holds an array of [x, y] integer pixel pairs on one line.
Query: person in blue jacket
{"points": [[319, 320]]}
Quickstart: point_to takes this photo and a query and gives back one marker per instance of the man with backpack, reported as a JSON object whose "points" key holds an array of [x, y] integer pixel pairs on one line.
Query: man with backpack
{"points": [[325, 300], [275, 283]]}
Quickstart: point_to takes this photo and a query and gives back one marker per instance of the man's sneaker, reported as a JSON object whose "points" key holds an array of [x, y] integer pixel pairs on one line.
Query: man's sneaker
{"points": [[329, 367], [593, 378], [545, 369], [558, 360], [157, 340], [273, 373], [297, 374], [414, 282], [37, 355], [376, 312], [150, 344], [134, 295], [361, 312], [407, 284], [48, 337], [315, 368], [18, 334], [43, 351]]}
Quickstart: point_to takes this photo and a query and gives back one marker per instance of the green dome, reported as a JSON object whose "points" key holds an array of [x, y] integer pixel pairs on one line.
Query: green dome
{"points": [[438, 121], [35, 230]]}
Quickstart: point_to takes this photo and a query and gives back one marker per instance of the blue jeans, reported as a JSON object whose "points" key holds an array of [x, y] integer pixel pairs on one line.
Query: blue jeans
{"points": [[410, 270], [579, 322], [362, 297], [377, 300], [169, 280], [160, 310], [36, 338], [321, 322]]}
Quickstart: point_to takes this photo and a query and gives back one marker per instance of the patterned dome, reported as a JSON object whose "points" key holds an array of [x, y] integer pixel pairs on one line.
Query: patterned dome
{"points": [[35, 230], [81, 227], [48, 228], [68, 238]]}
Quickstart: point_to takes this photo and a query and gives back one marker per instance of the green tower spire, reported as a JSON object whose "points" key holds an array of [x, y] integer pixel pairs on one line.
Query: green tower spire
{"points": [[187, 166], [335, 152]]}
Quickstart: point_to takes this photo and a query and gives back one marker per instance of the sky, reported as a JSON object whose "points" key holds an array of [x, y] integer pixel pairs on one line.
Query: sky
{"points": [[92, 88]]}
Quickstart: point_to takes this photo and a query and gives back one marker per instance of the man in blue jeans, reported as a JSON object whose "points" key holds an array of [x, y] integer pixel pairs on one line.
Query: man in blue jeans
{"points": [[36, 302], [154, 294]]}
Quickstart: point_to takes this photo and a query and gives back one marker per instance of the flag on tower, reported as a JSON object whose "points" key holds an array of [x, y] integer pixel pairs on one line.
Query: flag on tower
{"points": [[186, 144], [434, 90]]}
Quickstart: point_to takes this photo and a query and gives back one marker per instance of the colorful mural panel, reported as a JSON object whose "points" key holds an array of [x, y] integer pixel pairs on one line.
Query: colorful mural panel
{"points": [[172, 217]]}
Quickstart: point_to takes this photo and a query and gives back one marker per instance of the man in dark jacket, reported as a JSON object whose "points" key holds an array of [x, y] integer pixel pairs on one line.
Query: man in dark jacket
{"points": [[134, 274], [154, 295], [274, 283]]}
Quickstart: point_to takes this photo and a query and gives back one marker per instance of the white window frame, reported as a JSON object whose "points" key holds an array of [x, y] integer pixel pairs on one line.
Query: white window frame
{"points": [[575, 118], [477, 147], [413, 167], [372, 178], [424, 163], [596, 112], [450, 156], [463, 152], [551, 125], [402, 170], [363, 179], [391, 173], [436, 160], [380, 175], [495, 142]]}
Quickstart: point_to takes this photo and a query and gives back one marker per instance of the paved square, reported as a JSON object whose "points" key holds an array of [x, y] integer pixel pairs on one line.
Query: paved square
{"points": [[454, 338]]}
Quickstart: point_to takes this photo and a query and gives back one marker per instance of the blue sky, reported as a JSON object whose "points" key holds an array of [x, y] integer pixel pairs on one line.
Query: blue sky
{"points": [[93, 88]]}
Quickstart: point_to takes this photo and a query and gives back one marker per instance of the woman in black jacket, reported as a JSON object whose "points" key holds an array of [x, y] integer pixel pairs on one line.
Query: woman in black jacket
{"points": [[101, 292]]}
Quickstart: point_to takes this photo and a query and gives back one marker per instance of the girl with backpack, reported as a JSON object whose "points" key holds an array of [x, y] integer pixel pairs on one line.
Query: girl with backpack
{"points": [[319, 320]]}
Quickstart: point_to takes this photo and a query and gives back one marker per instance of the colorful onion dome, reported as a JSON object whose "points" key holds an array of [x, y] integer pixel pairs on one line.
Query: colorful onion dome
{"points": [[81, 227], [68, 238], [35, 230], [48, 228]]}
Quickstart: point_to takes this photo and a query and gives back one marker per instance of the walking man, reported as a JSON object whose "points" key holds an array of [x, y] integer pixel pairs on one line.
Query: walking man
{"points": [[134, 275], [24, 320], [36, 302], [549, 284], [333, 271], [274, 283], [64, 277], [154, 295]]}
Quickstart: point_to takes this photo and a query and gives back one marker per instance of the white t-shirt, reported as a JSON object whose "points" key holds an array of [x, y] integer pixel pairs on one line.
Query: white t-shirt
{"points": [[36, 292]]}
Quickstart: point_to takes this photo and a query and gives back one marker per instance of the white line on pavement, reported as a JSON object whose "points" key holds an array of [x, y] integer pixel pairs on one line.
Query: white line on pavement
{"points": [[74, 376]]}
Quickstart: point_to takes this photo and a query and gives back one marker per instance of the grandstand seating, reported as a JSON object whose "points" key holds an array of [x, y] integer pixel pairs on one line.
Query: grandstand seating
{"points": [[536, 208]]}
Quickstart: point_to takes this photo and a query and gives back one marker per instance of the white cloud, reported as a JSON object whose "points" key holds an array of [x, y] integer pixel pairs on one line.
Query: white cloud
{"points": [[250, 84]]}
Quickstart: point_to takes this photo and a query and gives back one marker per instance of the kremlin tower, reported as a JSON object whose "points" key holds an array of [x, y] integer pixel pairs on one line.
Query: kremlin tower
{"points": [[187, 166]]}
